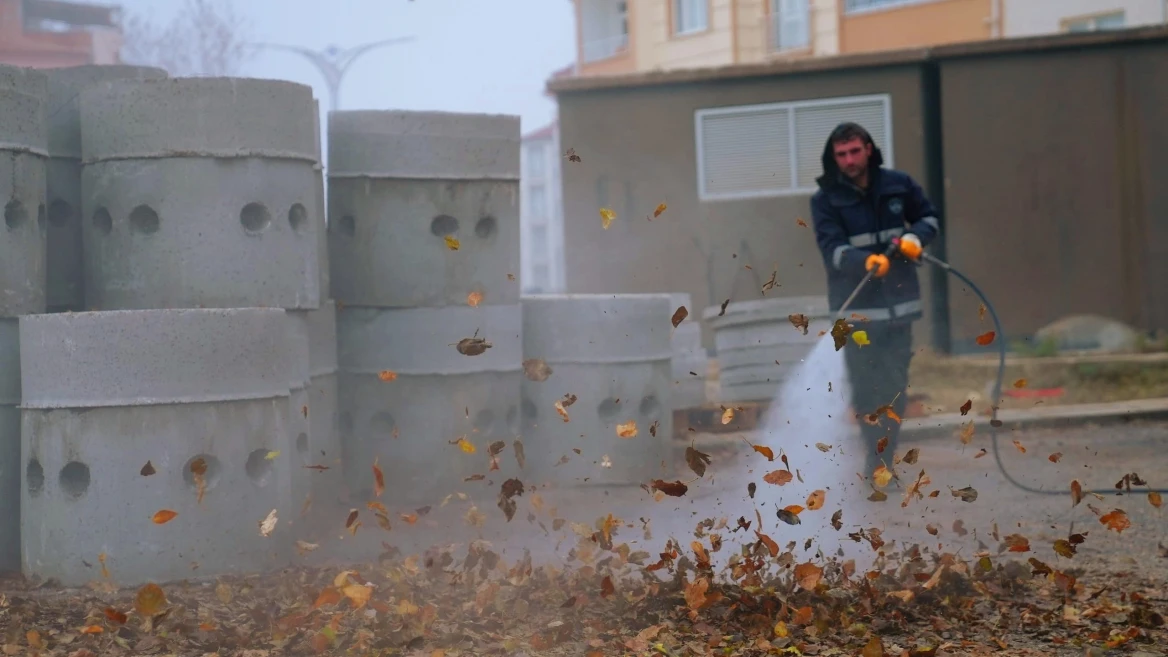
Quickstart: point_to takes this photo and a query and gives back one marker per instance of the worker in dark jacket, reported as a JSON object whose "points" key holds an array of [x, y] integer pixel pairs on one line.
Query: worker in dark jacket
{"points": [[859, 210]]}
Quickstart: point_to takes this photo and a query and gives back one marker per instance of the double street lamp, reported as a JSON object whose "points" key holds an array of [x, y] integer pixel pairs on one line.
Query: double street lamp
{"points": [[333, 62]]}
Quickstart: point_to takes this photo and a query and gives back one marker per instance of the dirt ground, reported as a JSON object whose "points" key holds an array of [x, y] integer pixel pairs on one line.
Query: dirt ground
{"points": [[626, 571]]}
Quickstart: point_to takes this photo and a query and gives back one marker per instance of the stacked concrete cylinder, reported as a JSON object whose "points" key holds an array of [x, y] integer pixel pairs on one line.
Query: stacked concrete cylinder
{"points": [[403, 188], [115, 426], [757, 346], [690, 365], [65, 288], [23, 158], [613, 354]]}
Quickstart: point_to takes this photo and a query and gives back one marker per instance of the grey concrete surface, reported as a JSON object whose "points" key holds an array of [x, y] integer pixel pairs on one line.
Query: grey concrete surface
{"points": [[688, 390], [9, 445], [394, 230], [24, 151], [317, 477], [320, 216], [144, 357], [613, 353], [215, 210], [63, 260]]}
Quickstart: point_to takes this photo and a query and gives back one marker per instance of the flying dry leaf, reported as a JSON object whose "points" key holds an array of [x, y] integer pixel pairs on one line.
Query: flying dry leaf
{"points": [[147, 469], [357, 594], [1076, 493], [606, 217], [149, 600], [1154, 499], [571, 155], [536, 370], [837, 520], [1054, 458], [874, 648], [268, 524], [912, 455], [1018, 543], [451, 242], [808, 575], [606, 587], [881, 476], [881, 444], [965, 408], [658, 210], [1019, 447], [966, 434], [115, 616], [627, 429], [800, 222], [823, 447], [727, 415], [959, 528], [697, 461], [387, 375], [840, 331], [1064, 548], [1020, 383], [861, 338], [799, 321], [563, 413], [765, 451], [164, 516], [778, 477], [878, 496], [378, 479], [967, 494], [465, 445], [816, 499], [679, 316], [673, 489], [472, 346], [985, 339], [519, 455], [751, 488], [932, 529], [1116, 520], [788, 516], [695, 593], [722, 310]]}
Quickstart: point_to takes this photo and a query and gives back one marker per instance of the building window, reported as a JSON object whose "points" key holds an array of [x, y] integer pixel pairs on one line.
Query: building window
{"points": [[853, 6], [535, 161], [604, 29], [790, 25], [539, 239], [690, 16], [1113, 21], [537, 202], [776, 149]]}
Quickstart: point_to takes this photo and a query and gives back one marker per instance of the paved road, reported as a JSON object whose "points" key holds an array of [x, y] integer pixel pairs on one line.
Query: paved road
{"points": [[1096, 457]]}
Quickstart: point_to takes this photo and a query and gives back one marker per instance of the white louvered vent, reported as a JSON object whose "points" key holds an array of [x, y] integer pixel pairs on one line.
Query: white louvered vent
{"points": [[775, 149]]}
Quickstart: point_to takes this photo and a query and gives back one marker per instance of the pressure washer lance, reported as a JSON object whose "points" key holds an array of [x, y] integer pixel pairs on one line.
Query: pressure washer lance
{"points": [[994, 422]]}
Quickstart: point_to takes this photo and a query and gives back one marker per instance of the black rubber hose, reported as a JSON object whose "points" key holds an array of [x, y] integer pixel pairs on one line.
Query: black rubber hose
{"points": [[1000, 337]]}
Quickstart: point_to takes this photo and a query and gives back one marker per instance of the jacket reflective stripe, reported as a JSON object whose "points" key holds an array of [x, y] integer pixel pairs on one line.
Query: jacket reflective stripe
{"points": [[932, 221], [837, 256], [868, 239], [883, 314]]}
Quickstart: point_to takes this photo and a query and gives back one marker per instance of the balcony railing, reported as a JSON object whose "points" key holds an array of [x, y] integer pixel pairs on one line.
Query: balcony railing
{"points": [[789, 31], [605, 47]]}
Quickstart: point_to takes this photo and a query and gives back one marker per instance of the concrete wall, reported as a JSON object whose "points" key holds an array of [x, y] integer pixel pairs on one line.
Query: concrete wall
{"points": [[648, 157], [1054, 205], [915, 24], [1031, 17]]}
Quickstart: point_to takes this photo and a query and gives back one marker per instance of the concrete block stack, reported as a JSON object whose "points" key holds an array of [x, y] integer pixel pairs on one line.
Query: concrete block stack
{"points": [[201, 259], [612, 354], [690, 364], [65, 290], [23, 161], [752, 335], [424, 248]]}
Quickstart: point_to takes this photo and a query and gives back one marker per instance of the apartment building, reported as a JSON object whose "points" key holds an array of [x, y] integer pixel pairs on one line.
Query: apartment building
{"points": [[627, 36], [53, 33], [541, 212]]}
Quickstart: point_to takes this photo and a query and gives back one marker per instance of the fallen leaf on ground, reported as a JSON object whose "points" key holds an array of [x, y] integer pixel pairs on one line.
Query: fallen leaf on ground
{"points": [[149, 600], [164, 516], [115, 616]]}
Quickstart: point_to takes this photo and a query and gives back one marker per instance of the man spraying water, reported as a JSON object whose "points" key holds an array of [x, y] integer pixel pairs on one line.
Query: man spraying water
{"points": [[859, 209]]}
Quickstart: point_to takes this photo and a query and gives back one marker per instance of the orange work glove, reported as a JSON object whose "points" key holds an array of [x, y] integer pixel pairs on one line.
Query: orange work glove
{"points": [[879, 262], [910, 246]]}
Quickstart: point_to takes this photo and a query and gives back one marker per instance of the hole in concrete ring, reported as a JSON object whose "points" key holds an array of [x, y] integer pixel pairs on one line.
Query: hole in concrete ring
{"points": [[60, 213], [608, 409], [206, 464], [34, 476], [381, 425], [444, 225], [255, 217], [484, 421], [486, 227], [302, 448], [102, 221], [259, 467], [650, 408], [74, 478], [347, 225], [297, 217], [15, 214], [144, 219]]}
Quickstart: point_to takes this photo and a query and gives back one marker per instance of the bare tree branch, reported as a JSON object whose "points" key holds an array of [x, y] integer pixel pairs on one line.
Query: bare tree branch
{"points": [[206, 38]]}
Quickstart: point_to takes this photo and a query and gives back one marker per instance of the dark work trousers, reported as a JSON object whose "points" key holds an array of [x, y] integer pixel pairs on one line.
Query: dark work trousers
{"points": [[878, 374]]}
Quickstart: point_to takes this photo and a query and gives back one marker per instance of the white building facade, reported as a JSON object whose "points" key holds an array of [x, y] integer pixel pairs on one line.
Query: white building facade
{"points": [[541, 213], [1037, 17]]}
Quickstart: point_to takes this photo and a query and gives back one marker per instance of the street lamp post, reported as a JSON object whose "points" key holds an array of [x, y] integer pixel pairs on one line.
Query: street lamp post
{"points": [[333, 62]]}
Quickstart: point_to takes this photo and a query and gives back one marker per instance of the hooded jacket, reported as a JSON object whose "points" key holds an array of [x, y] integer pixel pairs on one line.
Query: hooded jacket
{"points": [[851, 224]]}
